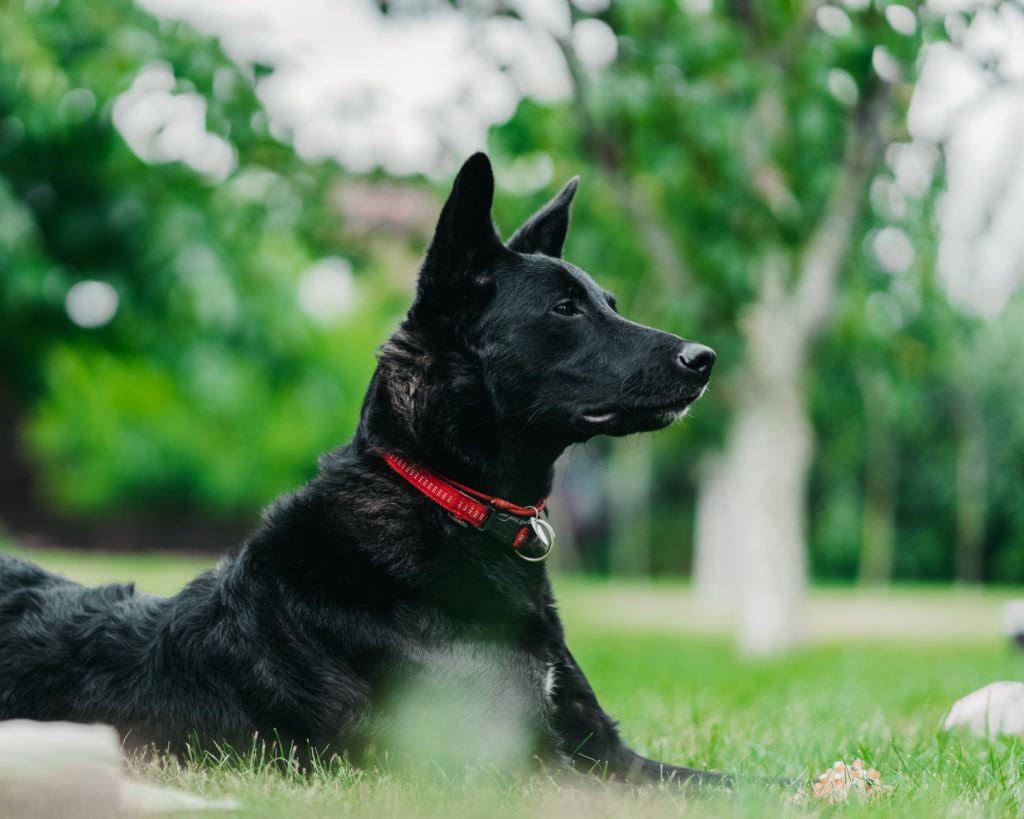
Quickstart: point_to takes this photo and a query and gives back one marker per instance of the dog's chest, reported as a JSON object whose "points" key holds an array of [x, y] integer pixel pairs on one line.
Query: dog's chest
{"points": [[470, 701], [501, 675]]}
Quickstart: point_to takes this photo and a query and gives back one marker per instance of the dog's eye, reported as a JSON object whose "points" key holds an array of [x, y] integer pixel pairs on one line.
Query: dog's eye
{"points": [[566, 308]]}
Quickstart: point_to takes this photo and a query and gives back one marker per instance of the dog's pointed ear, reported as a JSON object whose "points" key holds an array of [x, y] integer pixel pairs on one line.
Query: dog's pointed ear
{"points": [[465, 239], [544, 232]]}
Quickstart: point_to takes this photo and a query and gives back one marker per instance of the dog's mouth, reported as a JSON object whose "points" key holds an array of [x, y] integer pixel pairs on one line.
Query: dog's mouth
{"points": [[622, 419]]}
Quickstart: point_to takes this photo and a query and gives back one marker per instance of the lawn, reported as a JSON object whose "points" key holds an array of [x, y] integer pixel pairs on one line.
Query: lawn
{"points": [[878, 674]]}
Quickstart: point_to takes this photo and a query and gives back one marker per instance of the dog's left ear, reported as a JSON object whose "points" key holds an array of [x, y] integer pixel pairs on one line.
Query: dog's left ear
{"points": [[465, 240], [544, 232]]}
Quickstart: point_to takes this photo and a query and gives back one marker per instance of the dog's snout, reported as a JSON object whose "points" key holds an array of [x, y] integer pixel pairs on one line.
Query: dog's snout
{"points": [[697, 357]]}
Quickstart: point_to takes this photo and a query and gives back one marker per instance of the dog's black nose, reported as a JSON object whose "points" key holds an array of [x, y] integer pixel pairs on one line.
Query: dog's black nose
{"points": [[697, 357]]}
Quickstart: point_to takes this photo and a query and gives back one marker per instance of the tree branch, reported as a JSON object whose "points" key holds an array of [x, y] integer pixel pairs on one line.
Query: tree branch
{"points": [[672, 271], [825, 253]]}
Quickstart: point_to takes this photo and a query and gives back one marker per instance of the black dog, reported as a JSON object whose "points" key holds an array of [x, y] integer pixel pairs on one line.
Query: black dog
{"points": [[380, 609]]}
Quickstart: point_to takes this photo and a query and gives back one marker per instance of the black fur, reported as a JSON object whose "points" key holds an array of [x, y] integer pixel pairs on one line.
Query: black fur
{"points": [[360, 618]]}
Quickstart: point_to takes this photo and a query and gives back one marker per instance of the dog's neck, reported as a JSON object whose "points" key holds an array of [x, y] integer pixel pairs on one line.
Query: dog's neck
{"points": [[436, 413]]}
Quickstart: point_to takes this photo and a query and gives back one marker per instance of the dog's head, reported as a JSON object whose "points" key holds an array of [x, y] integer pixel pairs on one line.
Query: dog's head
{"points": [[552, 351]]}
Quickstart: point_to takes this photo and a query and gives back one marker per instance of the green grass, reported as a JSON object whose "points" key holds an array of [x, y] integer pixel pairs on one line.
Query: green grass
{"points": [[876, 687]]}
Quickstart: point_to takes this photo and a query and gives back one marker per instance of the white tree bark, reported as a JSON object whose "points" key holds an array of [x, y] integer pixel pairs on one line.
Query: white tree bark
{"points": [[716, 533], [751, 506], [770, 453], [750, 512]]}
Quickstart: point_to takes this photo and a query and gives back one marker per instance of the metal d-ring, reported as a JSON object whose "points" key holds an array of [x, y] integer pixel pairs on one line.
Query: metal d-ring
{"points": [[545, 533]]}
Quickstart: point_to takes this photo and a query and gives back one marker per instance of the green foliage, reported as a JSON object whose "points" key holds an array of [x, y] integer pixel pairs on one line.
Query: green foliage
{"points": [[709, 147], [728, 129], [210, 388], [218, 430]]}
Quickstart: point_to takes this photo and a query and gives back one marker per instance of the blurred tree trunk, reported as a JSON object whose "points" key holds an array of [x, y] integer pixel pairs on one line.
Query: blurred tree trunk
{"points": [[971, 489], [880, 484], [750, 512], [715, 570], [566, 555], [750, 545], [752, 507], [630, 475]]}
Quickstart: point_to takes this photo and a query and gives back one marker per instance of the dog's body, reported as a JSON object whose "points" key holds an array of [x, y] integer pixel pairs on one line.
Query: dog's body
{"points": [[360, 617]]}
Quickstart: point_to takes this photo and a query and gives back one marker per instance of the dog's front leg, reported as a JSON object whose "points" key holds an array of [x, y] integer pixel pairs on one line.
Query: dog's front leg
{"points": [[590, 739]]}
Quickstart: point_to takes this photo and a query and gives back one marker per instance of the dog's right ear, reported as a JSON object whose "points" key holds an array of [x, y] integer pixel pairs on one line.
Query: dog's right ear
{"points": [[545, 231], [465, 240]]}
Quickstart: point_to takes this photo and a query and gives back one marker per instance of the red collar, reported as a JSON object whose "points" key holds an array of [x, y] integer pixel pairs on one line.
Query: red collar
{"points": [[516, 526]]}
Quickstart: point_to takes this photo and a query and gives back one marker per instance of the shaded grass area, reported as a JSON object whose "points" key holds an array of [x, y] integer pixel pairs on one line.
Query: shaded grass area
{"points": [[686, 696]]}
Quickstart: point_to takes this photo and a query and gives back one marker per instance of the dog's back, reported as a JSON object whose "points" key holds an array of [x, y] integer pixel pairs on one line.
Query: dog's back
{"points": [[26, 589], [165, 671], [20, 575], [52, 630]]}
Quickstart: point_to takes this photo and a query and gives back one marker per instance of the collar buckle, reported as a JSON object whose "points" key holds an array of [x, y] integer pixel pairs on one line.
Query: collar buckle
{"points": [[503, 526]]}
